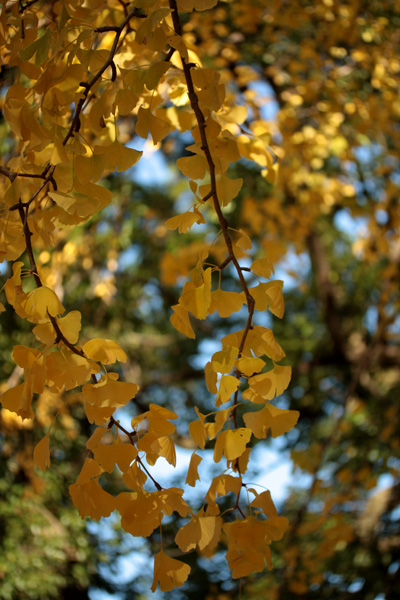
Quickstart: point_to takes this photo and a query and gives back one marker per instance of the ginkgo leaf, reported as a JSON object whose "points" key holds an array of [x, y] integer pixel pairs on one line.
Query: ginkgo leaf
{"points": [[243, 242], [32, 361], [197, 299], [150, 23], [109, 392], [181, 321], [244, 564], [109, 455], [223, 485], [231, 443], [147, 122], [197, 431], [225, 303], [118, 156], [264, 501], [70, 326], [192, 474], [248, 365], [273, 383], [227, 386], [42, 302], [194, 167], [41, 453], [200, 532], [91, 500], [223, 361], [185, 221], [213, 429], [211, 378], [19, 400], [227, 189], [168, 572], [140, 512], [262, 341], [90, 470], [65, 369], [279, 420], [154, 74], [134, 478], [104, 351], [262, 267], [269, 296]]}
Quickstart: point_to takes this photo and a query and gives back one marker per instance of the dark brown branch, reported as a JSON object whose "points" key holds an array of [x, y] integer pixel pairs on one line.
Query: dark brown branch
{"points": [[201, 122]]}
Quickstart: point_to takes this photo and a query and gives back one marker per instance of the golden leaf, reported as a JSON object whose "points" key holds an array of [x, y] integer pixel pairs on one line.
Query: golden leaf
{"points": [[225, 303], [227, 386], [231, 443], [192, 474], [104, 351], [200, 532], [185, 221], [223, 361], [168, 572], [279, 420], [41, 453], [197, 298], [272, 383], [42, 302]]}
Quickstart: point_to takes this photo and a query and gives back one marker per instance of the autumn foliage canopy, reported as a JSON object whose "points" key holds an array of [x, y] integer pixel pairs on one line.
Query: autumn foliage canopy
{"points": [[86, 83]]}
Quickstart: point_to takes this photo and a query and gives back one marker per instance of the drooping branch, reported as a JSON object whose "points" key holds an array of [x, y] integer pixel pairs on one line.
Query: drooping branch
{"points": [[202, 125]]}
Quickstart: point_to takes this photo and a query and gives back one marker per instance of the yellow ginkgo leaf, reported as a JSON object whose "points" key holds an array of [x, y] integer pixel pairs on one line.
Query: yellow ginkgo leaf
{"points": [[213, 429], [118, 156], [91, 500], [147, 122], [181, 321], [104, 351], [42, 302], [197, 298], [194, 167], [109, 392], [231, 443], [185, 221], [2, 307], [264, 501], [134, 478], [109, 455], [273, 383], [223, 485], [168, 572], [227, 386], [262, 341], [211, 378], [243, 242], [248, 365], [223, 361], [19, 400], [41, 453], [279, 420], [65, 369], [262, 267], [197, 430], [192, 474], [227, 189], [269, 296], [200, 532], [225, 303]]}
